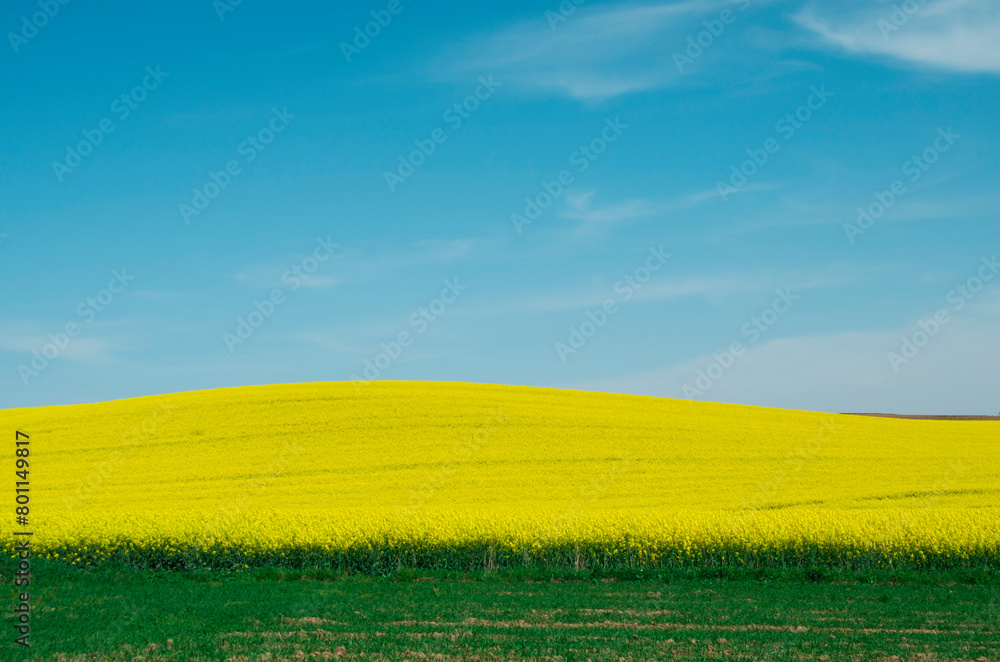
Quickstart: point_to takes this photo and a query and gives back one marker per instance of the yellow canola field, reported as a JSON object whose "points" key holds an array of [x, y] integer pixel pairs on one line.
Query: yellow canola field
{"points": [[372, 476]]}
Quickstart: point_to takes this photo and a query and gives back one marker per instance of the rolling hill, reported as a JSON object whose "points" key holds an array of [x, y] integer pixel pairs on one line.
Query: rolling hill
{"points": [[427, 470]]}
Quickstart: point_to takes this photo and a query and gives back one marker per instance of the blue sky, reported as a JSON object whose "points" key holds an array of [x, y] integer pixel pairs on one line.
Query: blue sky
{"points": [[198, 195]]}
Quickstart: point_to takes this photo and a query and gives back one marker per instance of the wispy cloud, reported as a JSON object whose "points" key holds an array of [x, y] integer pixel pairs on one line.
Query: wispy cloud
{"points": [[83, 349], [594, 296], [599, 52], [271, 276], [205, 117], [330, 342], [581, 207], [845, 372], [957, 35], [849, 371], [354, 264], [666, 289]]}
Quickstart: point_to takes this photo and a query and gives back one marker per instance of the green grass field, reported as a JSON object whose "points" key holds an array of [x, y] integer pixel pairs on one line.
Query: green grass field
{"points": [[271, 614]]}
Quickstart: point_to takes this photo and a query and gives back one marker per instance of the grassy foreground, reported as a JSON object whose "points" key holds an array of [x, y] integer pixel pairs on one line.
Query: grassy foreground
{"points": [[369, 477], [269, 614]]}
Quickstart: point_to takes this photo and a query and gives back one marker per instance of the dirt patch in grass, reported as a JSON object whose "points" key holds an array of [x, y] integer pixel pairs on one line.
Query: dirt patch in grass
{"points": [[618, 625], [606, 624]]}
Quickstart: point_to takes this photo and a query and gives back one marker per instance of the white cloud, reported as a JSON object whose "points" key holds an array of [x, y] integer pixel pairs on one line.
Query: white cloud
{"points": [[271, 275], [329, 342], [597, 53], [581, 207], [663, 288], [353, 265], [593, 297], [957, 35], [711, 194], [594, 217], [957, 372], [82, 348]]}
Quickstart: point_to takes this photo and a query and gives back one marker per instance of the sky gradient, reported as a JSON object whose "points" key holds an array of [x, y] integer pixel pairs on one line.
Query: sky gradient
{"points": [[789, 204]]}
